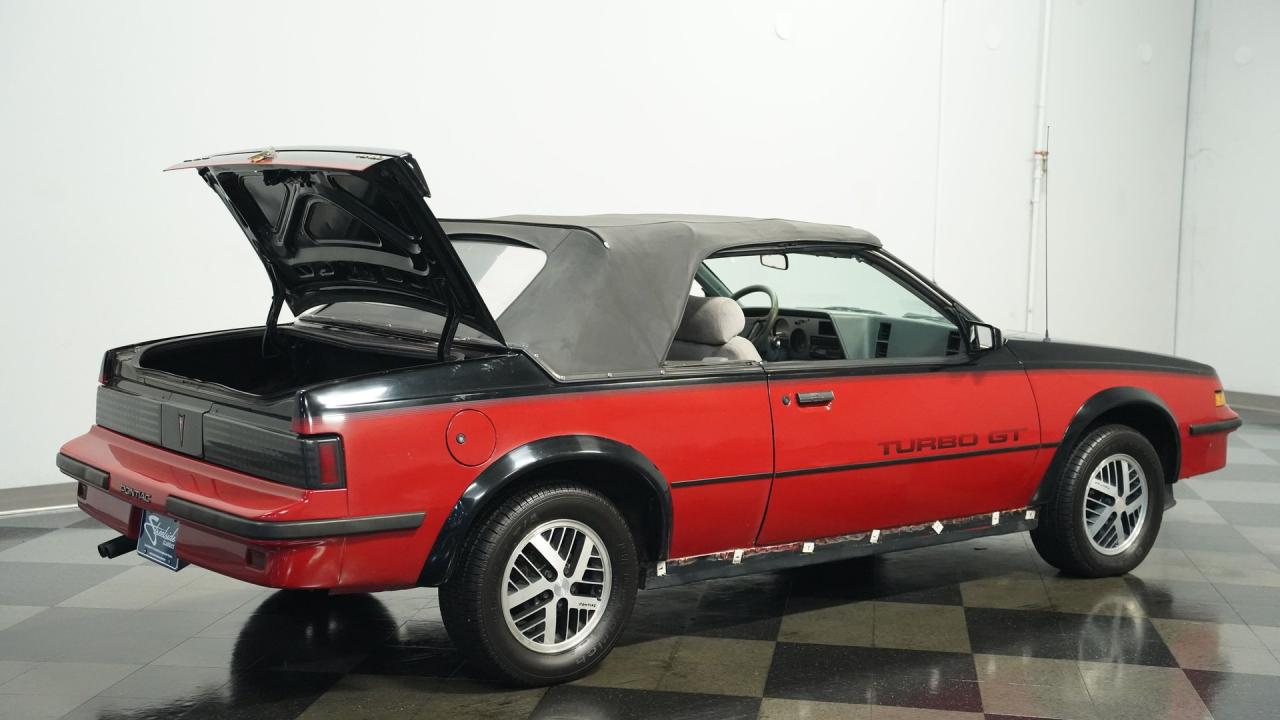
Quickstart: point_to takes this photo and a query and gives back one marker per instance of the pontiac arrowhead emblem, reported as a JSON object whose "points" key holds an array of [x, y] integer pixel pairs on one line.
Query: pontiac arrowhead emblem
{"points": [[182, 427]]}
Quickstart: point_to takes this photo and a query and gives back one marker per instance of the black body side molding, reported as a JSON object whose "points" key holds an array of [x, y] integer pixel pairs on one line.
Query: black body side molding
{"points": [[1222, 426], [1091, 410], [519, 463]]}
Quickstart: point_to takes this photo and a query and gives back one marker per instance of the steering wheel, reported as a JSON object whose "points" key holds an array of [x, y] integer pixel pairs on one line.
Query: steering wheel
{"points": [[761, 333]]}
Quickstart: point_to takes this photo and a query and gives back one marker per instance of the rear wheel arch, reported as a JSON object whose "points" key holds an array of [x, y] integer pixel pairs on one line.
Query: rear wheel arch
{"points": [[1134, 407], [616, 470]]}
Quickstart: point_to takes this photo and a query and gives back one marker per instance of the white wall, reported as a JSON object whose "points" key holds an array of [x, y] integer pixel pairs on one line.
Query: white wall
{"points": [[1229, 297], [1117, 113], [915, 120]]}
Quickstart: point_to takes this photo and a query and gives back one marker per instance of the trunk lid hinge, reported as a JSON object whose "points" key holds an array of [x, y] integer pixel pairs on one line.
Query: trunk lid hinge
{"points": [[450, 322], [270, 342]]}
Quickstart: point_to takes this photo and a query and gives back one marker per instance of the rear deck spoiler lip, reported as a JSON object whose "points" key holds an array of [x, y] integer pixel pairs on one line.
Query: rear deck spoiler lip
{"points": [[350, 159], [343, 158]]}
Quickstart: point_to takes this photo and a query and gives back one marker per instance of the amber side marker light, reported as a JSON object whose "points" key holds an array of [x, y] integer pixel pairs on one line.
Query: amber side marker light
{"points": [[1219, 398]]}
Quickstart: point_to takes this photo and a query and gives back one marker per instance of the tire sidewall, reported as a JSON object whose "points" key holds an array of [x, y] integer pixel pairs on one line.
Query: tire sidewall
{"points": [[596, 513], [1117, 440]]}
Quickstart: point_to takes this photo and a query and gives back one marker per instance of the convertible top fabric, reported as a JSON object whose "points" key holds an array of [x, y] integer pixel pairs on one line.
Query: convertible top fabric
{"points": [[613, 289]]}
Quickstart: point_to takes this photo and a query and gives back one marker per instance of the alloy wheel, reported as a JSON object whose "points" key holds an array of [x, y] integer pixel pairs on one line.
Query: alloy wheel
{"points": [[1115, 504], [556, 586]]}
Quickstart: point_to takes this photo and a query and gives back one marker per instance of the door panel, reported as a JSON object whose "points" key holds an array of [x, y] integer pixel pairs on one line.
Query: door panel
{"points": [[896, 447]]}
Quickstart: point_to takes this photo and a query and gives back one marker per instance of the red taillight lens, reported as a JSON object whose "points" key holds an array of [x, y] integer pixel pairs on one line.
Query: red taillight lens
{"points": [[329, 457], [105, 370]]}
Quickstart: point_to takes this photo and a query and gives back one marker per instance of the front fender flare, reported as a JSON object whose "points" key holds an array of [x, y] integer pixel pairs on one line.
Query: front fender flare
{"points": [[1094, 408], [519, 463]]}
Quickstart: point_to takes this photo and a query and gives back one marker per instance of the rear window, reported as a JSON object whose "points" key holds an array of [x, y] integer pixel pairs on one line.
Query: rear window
{"points": [[500, 270]]}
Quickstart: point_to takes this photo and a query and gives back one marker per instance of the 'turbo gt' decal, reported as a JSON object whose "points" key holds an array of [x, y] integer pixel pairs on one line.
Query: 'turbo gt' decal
{"points": [[947, 442]]}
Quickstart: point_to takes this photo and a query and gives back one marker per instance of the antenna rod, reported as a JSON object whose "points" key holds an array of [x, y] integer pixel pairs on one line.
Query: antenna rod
{"points": [[1044, 170]]}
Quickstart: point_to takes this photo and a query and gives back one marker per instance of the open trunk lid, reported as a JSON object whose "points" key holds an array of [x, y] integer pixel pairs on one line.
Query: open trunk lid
{"points": [[345, 224]]}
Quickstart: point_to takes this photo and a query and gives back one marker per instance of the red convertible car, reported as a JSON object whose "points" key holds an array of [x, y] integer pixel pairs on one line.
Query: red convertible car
{"points": [[541, 415]]}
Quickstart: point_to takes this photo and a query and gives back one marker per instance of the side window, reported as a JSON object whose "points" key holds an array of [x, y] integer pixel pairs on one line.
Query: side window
{"points": [[835, 305]]}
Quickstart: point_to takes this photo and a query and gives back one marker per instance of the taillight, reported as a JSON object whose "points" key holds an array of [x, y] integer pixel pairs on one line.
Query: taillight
{"points": [[106, 370], [328, 465]]}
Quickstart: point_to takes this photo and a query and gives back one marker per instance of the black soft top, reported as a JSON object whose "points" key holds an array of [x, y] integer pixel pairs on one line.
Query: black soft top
{"points": [[613, 289]]}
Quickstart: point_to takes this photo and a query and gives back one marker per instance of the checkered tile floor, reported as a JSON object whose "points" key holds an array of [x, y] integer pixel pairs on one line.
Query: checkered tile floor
{"points": [[980, 629]]}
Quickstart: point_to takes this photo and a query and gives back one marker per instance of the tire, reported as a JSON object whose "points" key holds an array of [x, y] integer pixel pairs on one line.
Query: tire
{"points": [[1079, 532], [501, 553]]}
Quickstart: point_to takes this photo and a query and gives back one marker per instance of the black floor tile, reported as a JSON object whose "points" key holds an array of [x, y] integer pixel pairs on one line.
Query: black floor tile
{"points": [[818, 683], [1175, 608], [912, 678], [1117, 639], [663, 612], [1031, 633], [571, 701], [416, 661], [759, 600], [940, 694], [740, 627], [269, 695], [105, 707], [948, 594], [1233, 696], [1066, 636]]}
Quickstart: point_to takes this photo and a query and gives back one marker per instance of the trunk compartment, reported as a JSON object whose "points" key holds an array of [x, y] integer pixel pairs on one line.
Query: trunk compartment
{"points": [[299, 359]]}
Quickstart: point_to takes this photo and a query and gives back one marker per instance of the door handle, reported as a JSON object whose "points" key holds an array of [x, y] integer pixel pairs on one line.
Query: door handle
{"points": [[819, 397]]}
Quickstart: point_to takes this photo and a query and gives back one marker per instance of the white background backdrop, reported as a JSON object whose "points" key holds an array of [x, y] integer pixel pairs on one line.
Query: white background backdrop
{"points": [[915, 120]]}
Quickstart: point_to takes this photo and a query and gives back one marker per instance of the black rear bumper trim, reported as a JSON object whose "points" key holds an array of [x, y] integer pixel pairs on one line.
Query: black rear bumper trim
{"points": [[1222, 426], [289, 529], [82, 472]]}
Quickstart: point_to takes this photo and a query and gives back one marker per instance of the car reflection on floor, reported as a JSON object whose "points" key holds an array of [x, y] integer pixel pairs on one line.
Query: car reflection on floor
{"points": [[978, 627]]}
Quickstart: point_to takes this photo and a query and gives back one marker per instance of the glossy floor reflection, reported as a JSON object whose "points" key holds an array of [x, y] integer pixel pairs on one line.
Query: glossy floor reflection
{"points": [[981, 629]]}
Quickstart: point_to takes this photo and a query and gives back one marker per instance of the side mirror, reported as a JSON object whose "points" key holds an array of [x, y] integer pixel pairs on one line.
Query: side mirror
{"points": [[983, 337], [777, 262]]}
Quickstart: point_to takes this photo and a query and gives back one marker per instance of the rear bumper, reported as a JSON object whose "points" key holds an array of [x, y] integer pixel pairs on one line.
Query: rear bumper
{"points": [[236, 525], [289, 529]]}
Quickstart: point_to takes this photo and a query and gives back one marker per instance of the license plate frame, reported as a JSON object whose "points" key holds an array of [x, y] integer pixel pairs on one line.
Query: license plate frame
{"points": [[158, 540]]}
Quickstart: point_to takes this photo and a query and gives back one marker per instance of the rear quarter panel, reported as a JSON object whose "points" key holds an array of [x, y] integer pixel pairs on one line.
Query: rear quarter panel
{"points": [[399, 460]]}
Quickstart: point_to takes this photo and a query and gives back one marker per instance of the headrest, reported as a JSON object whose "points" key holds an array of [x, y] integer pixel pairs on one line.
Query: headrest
{"points": [[710, 320]]}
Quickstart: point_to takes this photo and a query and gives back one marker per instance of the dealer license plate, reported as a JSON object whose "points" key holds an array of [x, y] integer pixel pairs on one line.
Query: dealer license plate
{"points": [[158, 541]]}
